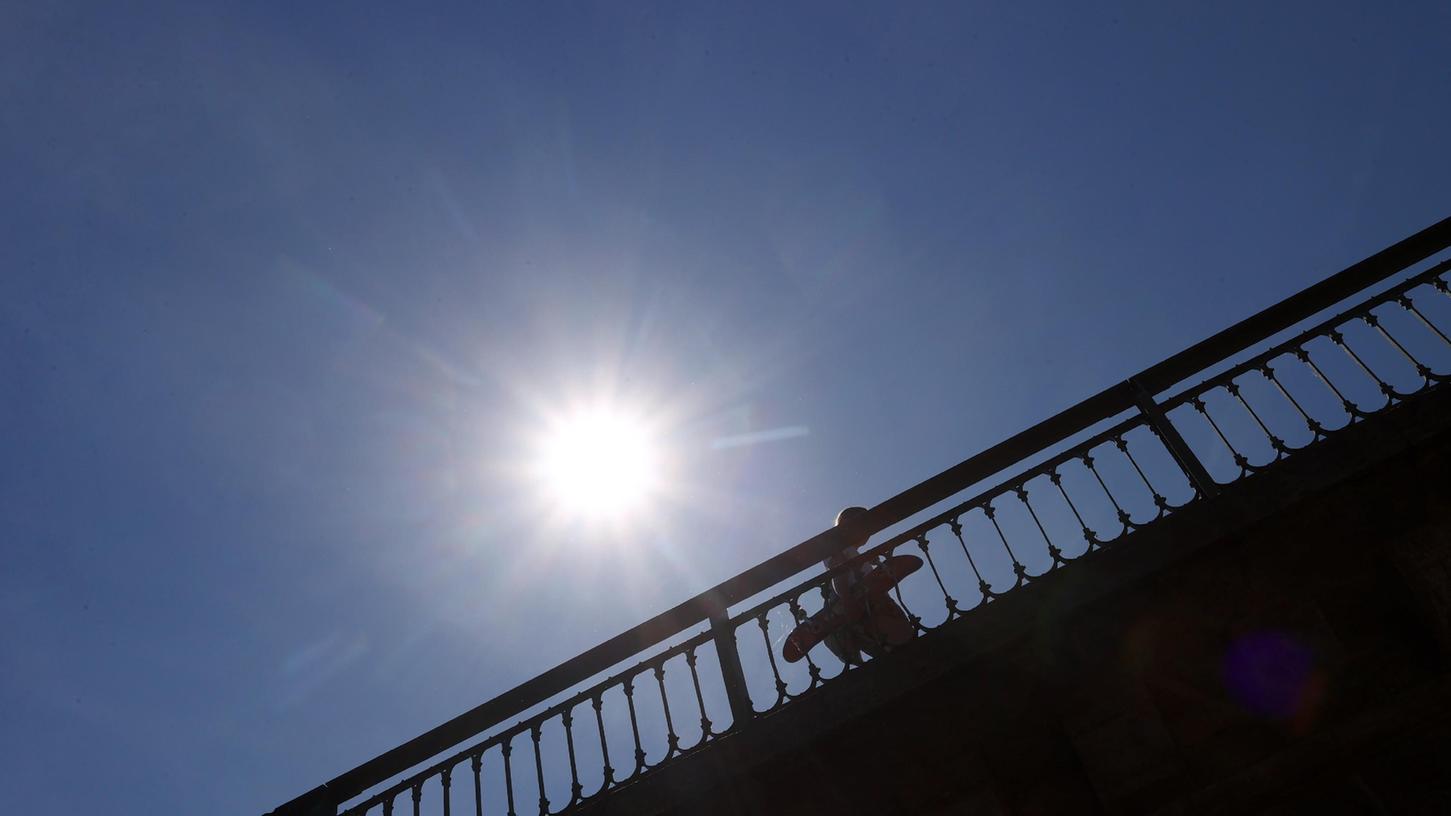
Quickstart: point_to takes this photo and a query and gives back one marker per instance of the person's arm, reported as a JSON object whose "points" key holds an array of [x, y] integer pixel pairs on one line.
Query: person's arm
{"points": [[843, 581]]}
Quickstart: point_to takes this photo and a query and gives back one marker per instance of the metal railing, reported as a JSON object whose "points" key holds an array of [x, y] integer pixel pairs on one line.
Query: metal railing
{"points": [[1153, 458]]}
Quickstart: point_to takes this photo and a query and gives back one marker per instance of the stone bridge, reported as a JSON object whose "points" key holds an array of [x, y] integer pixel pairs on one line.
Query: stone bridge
{"points": [[1222, 585]]}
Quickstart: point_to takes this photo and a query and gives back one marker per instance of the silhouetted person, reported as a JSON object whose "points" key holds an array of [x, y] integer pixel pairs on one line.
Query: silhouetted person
{"points": [[884, 624]]}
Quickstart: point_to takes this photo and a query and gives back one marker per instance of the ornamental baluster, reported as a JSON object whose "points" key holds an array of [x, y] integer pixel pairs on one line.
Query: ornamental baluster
{"points": [[539, 770], [476, 762], [1159, 501], [705, 724], [1239, 459], [915, 621], [1089, 535], [1351, 409], [609, 773], [952, 610], [508, 750], [1317, 431], [672, 741], [1423, 370], [1275, 442], [1339, 339], [771, 657], [575, 789], [955, 524], [634, 724], [1123, 517], [1021, 490], [1410, 306], [799, 615], [1018, 569]]}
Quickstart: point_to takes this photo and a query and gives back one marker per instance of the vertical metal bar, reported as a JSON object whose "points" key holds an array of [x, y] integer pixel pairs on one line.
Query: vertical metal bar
{"points": [[1339, 339], [1122, 444], [1281, 450], [539, 770], [705, 725], [1240, 460], [1178, 448], [799, 615], [508, 749], [1410, 306], [575, 789], [1125, 521], [1317, 431], [1089, 535], [1352, 411], [1018, 568], [1056, 554], [672, 741], [952, 611], [730, 668], [1423, 370], [634, 724], [476, 763], [765, 625], [897, 590], [609, 777], [983, 587]]}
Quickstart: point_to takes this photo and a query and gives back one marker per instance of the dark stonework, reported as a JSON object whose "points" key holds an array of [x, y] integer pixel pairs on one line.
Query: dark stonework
{"points": [[1282, 649]]}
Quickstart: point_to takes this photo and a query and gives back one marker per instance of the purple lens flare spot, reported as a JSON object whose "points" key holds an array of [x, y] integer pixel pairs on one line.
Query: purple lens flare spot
{"points": [[1272, 674]]}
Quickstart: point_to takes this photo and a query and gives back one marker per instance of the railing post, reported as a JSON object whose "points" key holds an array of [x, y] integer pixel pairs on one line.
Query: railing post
{"points": [[730, 666], [1178, 448]]}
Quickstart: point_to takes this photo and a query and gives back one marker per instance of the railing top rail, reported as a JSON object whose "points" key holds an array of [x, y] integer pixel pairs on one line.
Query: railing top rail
{"points": [[1297, 307], [714, 602]]}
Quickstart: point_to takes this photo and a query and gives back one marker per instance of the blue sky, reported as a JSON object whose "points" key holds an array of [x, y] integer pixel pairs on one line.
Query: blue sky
{"points": [[286, 291]]}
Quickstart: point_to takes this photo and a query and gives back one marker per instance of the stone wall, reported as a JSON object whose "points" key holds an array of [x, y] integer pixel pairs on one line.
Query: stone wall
{"points": [[1282, 649]]}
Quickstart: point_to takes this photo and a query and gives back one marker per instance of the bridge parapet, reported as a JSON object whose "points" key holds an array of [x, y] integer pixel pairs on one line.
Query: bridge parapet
{"points": [[1280, 655]]}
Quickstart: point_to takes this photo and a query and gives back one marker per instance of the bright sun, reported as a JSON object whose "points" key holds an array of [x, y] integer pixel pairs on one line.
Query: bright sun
{"points": [[599, 463]]}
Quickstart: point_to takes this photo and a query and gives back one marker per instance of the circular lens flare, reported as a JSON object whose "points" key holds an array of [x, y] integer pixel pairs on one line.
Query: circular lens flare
{"points": [[599, 464]]}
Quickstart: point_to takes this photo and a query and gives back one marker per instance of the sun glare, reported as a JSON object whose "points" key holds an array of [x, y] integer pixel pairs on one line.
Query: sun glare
{"points": [[599, 464]]}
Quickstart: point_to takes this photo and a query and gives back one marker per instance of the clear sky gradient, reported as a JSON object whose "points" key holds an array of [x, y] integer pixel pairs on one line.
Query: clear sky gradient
{"points": [[287, 289]]}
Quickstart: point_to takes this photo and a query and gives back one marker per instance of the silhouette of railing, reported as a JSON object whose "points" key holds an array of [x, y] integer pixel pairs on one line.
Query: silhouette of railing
{"points": [[1110, 465]]}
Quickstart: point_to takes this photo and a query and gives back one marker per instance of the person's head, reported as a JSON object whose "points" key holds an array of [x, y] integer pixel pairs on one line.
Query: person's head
{"points": [[849, 516]]}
